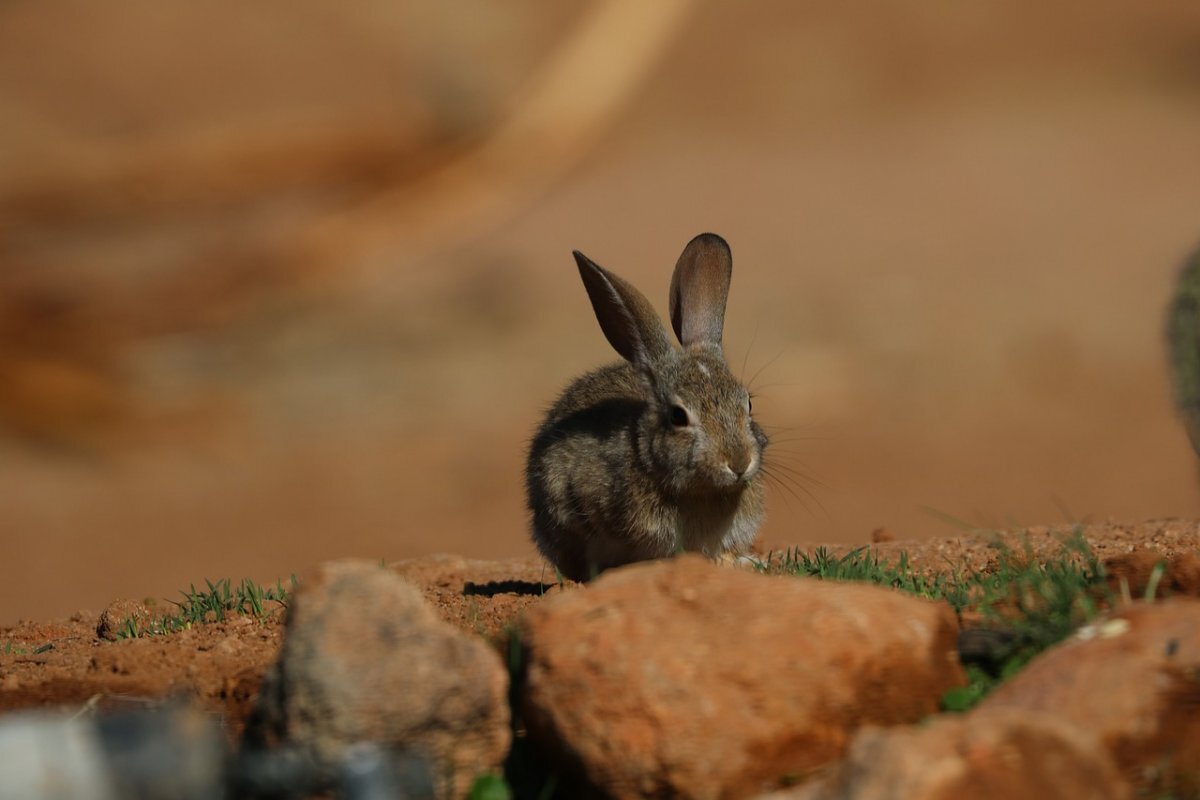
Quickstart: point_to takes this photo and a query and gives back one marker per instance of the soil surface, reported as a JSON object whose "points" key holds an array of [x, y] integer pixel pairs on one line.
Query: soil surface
{"points": [[65, 664]]}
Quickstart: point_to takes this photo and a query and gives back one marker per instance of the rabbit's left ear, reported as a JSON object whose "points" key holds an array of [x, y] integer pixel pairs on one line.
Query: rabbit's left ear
{"points": [[625, 315], [699, 289]]}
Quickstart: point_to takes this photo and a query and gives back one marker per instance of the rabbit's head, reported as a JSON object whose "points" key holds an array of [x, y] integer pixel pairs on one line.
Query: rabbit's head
{"points": [[697, 436]]}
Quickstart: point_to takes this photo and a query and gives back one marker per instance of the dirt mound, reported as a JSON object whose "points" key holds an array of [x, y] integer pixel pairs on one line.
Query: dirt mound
{"points": [[220, 664]]}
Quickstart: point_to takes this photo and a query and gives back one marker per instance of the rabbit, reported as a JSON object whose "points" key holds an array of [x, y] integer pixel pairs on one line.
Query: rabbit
{"points": [[656, 454]]}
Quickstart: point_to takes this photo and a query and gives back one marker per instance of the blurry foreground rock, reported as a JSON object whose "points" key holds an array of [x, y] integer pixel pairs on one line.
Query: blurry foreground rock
{"points": [[1133, 681], [1116, 706], [683, 679], [177, 753], [996, 756], [1131, 574], [365, 659]]}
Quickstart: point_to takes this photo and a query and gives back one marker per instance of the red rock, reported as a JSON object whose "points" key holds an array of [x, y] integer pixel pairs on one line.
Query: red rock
{"points": [[683, 679], [114, 619], [1132, 680], [996, 756], [1130, 574]]}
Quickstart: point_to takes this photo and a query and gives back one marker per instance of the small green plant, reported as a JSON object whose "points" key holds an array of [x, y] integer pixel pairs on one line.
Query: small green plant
{"points": [[558, 577], [526, 772], [1036, 604], [215, 604], [476, 617], [961, 698], [861, 564], [1156, 576], [223, 598], [1045, 600], [489, 786]]}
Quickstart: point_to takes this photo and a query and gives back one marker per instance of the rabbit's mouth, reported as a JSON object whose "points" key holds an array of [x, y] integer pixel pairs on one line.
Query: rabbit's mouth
{"points": [[710, 485], [732, 477]]}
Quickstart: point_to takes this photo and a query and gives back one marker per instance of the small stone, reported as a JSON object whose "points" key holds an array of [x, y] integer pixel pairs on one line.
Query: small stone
{"points": [[115, 620]]}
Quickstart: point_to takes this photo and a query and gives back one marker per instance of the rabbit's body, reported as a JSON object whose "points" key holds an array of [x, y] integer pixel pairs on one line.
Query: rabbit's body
{"points": [[657, 454]]}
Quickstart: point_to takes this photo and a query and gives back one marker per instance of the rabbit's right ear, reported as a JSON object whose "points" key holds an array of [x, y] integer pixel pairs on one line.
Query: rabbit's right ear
{"points": [[699, 289], [628, 320]]}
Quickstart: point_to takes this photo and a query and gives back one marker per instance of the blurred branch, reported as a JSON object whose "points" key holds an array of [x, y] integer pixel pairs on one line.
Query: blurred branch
{"points": [[285, 213], [414, 205], [415, 191], [214, 170], [562, 113]]}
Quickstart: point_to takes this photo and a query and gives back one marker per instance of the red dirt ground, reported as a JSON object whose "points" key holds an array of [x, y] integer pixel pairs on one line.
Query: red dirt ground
{"points": [[219, 665]]}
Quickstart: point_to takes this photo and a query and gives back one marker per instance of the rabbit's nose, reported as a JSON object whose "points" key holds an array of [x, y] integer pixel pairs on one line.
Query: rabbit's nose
{"points": [[740, 463]]}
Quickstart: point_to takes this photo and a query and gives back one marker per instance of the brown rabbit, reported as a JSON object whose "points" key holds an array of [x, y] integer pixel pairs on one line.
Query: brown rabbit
{"points": [[656, 454]]}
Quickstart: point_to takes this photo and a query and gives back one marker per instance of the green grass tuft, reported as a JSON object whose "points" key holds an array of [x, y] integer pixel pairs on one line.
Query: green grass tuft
{"points": [[217, 603], [861, 564], [489, 786]]}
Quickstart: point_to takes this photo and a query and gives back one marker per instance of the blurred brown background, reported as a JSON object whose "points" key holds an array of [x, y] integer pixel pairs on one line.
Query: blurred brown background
{"points": [[284, 282]]}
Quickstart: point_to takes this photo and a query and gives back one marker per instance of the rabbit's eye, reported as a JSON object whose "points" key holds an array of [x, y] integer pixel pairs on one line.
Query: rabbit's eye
{"points": [[679, 416], [749, 406]]}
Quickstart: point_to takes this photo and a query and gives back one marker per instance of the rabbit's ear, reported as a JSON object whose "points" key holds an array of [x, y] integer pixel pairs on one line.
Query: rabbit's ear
{"points": [[626, 316], [699, 289]]}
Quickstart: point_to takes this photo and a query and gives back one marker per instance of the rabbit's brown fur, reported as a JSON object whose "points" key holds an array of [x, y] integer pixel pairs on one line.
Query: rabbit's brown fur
{"points": [[656, 454]]}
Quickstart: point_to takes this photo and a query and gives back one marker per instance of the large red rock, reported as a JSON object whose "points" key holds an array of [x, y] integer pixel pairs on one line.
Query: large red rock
{"points": [[680, 678], [1133, 681]]}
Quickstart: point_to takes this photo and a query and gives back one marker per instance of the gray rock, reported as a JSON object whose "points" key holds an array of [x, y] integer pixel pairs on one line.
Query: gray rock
{"points": [[364, 658]]}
